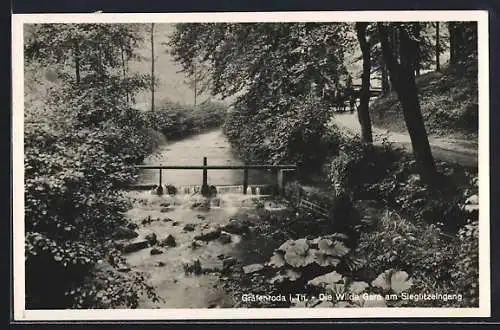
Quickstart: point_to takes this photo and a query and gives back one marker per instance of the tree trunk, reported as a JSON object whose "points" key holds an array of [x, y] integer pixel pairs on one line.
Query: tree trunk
{"points": [[124, 70], [418, 52], [77, 62], [152, 68], [385, 79], [438, 50], [363, 109], [452, 32], [403, 79], [195, 84]]}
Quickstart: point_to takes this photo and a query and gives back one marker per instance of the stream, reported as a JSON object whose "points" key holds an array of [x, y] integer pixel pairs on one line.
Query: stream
{"points": [[173, 214]]}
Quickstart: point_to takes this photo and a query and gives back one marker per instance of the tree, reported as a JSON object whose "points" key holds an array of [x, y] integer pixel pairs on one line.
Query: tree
{"points": [[199, 81], [363, 109], [402, 74], [77, 154], [152, 67], [437, 48], [463, 42], [270, 69]]}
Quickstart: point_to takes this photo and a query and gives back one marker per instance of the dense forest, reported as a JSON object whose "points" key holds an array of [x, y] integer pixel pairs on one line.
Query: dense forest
{"points": [[84, 133]]}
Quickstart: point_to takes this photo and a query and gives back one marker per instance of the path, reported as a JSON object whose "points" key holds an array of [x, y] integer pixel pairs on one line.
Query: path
{"points": [[463, 152]]}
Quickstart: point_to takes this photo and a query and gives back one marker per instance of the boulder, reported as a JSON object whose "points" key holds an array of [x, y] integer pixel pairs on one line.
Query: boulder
{"points": [[171, 190], [132, 226], [123, 268], [155, 251], [135, 245], [166, 209], [228, 262], [237, 227], [474, 199], [125, 233], [147, 221], [414, 179], [194, 267], [471, 208], [253, 268], [168, 241], [175, 223], [152, 239], [209, 235], [160, 264], [196, 244], [225, 238], [189, 227]]}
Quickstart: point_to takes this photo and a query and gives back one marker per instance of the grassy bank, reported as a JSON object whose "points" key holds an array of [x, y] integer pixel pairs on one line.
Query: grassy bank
{"points": [[449, 103]]}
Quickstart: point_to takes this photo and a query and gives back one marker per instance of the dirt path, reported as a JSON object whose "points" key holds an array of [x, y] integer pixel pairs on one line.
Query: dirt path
{"points": [[464, 152]]}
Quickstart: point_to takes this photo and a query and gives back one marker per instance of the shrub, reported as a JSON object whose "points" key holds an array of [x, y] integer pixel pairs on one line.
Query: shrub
{"points": [[358, 164], [176, 120], [466, 270], [291, 131], [73, 173], [438, 263]]}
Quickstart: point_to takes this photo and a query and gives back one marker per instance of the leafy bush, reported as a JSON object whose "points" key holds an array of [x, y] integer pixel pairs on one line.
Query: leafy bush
{"points": [[358, 164], [291, 131], [438, 263], [73, 173], [176, 120], [466, 270]]}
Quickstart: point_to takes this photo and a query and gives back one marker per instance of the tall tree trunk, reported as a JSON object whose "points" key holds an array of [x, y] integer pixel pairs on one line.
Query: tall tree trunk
{"points": [[364, 99], [124, 70], [403, 79], [437, 49], [152, 67], [385, 79], [195, 84], [418, 52], [453, 44], [77, 62]]}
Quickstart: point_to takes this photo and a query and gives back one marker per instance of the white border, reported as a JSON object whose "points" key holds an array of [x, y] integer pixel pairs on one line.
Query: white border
{"points": [[20, 314]]}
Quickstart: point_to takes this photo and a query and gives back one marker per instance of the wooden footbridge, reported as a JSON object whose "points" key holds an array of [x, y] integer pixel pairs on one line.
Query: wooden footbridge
{"points": [[283, 173]]}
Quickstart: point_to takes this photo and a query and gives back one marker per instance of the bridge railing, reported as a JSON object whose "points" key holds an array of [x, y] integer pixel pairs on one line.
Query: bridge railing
{"points": [[284, 173]]}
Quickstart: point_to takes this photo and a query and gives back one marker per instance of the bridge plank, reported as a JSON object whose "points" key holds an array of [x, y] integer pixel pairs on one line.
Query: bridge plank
{"points": [[215, 167]]}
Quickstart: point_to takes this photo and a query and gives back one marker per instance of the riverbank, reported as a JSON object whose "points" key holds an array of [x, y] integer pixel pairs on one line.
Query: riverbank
{"points": [[217, 253]]}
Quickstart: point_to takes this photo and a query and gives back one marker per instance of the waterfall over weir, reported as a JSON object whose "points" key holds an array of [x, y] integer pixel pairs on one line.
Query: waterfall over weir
{"points": [[233, 189]]}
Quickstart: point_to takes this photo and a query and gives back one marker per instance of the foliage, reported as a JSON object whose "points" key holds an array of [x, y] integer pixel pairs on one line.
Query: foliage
{"points": [[177, 120], [466, 270], [448, 99], [438, 263], [296, 134], [278, 73], [80, 141], [358, 164]]}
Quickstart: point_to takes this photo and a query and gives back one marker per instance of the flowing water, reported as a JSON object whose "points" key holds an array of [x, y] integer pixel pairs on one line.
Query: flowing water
{"points": [[166, 271]]}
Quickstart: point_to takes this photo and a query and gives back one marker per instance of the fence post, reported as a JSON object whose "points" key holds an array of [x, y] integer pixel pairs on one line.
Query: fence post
{"points": [[160, 176], [245, 180], [204, 185]]}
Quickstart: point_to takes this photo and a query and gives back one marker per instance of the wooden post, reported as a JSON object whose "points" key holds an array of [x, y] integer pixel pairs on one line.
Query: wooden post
{"points": [[204, 185], [159, 189], [160, 176], [245, 180]]}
